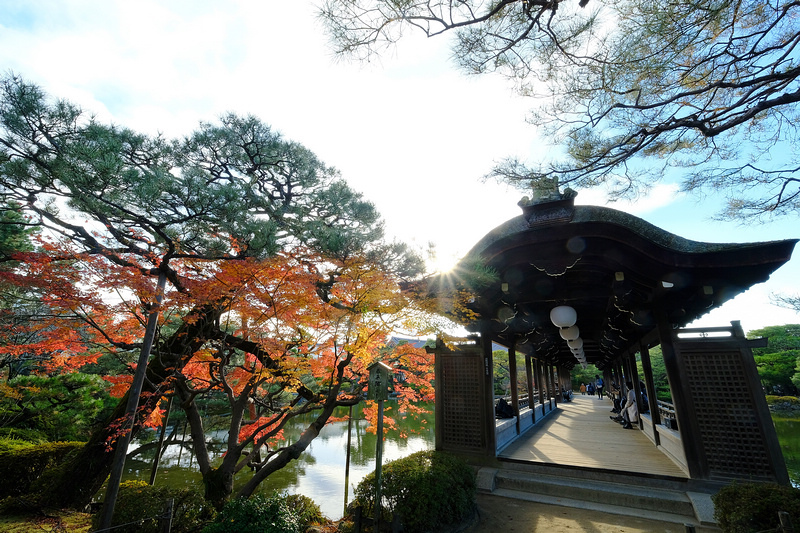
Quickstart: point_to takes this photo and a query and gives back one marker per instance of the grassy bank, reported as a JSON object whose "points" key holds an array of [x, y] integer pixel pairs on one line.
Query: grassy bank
{"points": [[56, 522]]}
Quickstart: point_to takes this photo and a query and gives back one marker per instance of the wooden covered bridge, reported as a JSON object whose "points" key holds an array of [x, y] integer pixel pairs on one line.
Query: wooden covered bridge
{"points": [[625, 286]]}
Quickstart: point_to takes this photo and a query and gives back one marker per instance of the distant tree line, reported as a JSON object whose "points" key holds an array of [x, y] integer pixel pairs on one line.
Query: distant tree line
{"points": [[778, 363]]}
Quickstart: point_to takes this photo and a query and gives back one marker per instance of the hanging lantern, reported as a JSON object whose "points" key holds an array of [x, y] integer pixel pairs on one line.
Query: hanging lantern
{"points": [[563, 316], [570, 333], [575, 344]]}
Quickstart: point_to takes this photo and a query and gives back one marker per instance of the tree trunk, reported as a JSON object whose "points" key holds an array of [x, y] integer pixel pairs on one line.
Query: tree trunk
{"points": [[73, 484], [218, 484]]}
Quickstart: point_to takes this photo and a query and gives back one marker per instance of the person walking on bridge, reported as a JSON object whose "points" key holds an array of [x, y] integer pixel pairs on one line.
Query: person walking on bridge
{"points": [[598, 386]]}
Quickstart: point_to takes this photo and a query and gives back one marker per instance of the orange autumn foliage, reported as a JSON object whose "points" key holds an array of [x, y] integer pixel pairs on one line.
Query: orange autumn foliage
{"points": [[288, 327]]}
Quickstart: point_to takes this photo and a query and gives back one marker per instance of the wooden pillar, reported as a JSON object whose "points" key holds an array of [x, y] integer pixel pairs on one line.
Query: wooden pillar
{"points": [[649, 385], [512, 370], [635, 382], [684, 412], [635, 379], [488, 379], [556, 382], [559, 373], [620, 376], [544, 393], [628, 370], [539, 382], [551, 389], [633, 376], [529, 384], [548, 386]]}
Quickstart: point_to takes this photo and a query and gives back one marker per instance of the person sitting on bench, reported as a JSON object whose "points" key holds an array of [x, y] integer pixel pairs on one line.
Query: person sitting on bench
{"points": [[630, 414]]}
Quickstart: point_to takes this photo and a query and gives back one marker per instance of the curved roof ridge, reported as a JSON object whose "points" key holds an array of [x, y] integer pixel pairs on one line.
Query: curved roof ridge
{"points": [[582, 214]]}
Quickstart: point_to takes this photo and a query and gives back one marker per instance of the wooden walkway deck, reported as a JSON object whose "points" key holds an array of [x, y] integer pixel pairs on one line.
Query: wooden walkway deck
{"points": [[580, 434]]}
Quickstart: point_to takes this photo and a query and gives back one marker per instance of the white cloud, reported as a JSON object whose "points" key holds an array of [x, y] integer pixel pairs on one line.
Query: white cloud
{"points": [[660, 195]]}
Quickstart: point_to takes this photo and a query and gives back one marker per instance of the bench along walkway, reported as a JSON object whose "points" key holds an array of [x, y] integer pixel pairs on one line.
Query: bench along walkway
{"points": [[581, 434], [577, 457]]}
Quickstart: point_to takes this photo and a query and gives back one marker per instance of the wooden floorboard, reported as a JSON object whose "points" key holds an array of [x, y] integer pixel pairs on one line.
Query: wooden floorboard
{"points": [[581, 434]]}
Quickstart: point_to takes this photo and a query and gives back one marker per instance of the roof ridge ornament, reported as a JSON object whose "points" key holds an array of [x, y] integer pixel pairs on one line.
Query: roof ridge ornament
{"points": [[548, 205]]}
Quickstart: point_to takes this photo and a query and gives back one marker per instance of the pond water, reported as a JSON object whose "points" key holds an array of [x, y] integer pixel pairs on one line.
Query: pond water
{"points": [[319, 473]]}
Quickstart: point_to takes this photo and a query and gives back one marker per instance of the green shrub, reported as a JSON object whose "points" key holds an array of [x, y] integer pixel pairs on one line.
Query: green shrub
{"points": [[751, 507], [306, 510], [427, 489], [24, 462], [257, 514], [11, 444], [141, 506], [788, 400]]}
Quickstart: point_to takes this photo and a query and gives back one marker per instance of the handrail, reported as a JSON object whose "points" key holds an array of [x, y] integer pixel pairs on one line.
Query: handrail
{"points": [[522, 399], [667, 412]]}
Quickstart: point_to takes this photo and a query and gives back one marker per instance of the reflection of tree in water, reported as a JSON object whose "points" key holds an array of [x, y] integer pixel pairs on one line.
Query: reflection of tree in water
{"points": [[288, 476], [409, 429], [178, 467]]}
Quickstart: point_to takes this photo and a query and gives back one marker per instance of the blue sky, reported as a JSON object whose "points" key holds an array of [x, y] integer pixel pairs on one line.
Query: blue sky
{"points": [[408, 131]]}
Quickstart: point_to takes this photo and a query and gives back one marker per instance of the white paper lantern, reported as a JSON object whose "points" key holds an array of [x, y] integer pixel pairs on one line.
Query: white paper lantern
{"points": [[575, 344], [563, 316], [570, 333]]}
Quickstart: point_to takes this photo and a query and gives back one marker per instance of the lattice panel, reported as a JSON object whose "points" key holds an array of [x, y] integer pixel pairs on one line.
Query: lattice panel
{"points": [[461, 378], [733, 443]]}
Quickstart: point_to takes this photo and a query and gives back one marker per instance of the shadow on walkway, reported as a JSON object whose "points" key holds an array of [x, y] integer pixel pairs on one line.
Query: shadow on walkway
{"points": [[581, 434]]}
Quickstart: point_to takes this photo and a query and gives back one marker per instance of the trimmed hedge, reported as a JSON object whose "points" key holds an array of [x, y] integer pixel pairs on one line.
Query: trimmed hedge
{"points": [[751, 507], [428, 489], [24, 462]]}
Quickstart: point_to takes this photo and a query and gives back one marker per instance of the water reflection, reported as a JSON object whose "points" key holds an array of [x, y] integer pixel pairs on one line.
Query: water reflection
{"points": [[318, 473]]}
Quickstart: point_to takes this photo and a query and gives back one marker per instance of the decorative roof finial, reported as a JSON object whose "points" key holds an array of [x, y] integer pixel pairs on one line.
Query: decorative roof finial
{"points": [[546, 190]]}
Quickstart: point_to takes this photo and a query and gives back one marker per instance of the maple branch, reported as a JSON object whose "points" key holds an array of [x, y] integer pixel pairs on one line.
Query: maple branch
{"points": [[261, 354]]}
